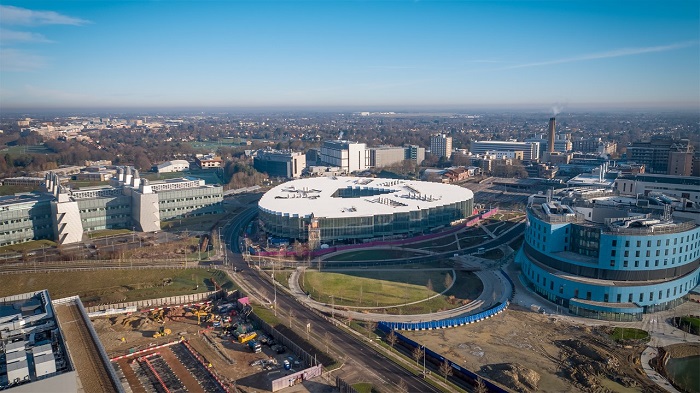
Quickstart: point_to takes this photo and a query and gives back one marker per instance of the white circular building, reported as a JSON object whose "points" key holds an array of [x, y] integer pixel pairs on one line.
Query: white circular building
{"points": [[324, 209]]}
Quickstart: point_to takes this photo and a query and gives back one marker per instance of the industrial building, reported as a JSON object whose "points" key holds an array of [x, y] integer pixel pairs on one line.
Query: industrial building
{"points": [[64, 214], [327, 209], [441, 145], [286, 164], [173, 166], [608, 257]]}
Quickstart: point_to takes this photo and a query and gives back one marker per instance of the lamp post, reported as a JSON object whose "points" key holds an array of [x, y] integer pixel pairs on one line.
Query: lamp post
{"points": [[423, 350]]}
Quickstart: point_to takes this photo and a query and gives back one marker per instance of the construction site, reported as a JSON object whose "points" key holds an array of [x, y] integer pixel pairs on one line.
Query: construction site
{"points": [[209, 346]]}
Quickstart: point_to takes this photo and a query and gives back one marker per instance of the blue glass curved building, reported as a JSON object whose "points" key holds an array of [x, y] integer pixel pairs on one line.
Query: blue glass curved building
{"points": [[609, 260]]}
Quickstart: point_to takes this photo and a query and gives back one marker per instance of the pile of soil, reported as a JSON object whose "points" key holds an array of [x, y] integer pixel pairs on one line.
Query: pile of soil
{"points": [[513, 375]]}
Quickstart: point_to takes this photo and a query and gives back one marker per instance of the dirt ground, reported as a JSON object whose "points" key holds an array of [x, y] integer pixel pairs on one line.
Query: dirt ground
{"points": [[526, 351], [231, 361]]}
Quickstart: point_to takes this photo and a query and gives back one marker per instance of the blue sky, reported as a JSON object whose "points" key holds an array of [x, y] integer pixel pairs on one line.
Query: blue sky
{"points": [[388, 55]]}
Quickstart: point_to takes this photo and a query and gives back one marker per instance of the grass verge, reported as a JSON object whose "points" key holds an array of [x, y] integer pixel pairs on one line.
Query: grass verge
{"points": [[113, 286], [622, 334]]}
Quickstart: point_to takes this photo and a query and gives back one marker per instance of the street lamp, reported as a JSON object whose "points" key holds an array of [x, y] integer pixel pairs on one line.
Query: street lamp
{"points": [[422, 347]]}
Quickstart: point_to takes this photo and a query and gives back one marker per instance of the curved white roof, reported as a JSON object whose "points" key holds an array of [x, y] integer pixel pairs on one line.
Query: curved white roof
{"points": [[302, 197]]}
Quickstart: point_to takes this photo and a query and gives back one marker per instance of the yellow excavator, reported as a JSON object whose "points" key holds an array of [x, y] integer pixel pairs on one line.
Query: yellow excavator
{"points": [[200, 314], [162, 332]]}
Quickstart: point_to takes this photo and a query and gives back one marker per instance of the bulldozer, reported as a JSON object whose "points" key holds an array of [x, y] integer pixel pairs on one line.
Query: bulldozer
{"points": [[162, 332]]}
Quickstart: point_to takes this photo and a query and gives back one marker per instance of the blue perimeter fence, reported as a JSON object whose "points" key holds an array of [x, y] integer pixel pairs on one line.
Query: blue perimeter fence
{"points": [[437, 359]]}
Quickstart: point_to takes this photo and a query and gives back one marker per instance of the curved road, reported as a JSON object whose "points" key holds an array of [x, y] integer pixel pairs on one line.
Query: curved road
{"points": [[359, 359]]}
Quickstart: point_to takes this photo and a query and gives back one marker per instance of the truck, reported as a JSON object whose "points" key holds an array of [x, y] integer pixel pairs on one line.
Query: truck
{"points": [[245, 337], [254, 346]]}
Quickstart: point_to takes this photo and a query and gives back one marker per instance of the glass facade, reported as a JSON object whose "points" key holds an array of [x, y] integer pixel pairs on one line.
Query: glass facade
{"points": [[362, 227]]}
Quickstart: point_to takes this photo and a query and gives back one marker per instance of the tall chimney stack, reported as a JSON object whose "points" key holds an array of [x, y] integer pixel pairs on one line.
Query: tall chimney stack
{"points": [[552, 127]]}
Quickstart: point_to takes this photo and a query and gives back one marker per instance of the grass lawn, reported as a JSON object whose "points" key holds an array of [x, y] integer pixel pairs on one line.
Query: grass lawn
{"points": [[197, 223], [620, 334], [372, 288], [107, 233], [28, 246], [441, 241], [373, 255], [26, 149], [112, 286], [363, 387], [389, 288], [688, 323], [267, 315]]}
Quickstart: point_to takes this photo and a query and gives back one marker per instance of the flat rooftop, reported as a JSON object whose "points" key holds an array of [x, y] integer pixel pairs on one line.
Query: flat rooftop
{"points": [[331, 197]]}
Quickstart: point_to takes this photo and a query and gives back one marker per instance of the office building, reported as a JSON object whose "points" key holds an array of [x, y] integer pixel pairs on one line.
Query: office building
{"points": [[349, 156], [606, 257], [285, 164], [63, 214], [531, 150], [441, 145], [655, 154]]}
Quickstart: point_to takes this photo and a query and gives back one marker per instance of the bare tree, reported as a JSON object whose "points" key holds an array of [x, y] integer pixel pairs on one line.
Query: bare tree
{"points": [[448, 280], [429, 285], [291, 317], [391, 339], [327, 339], [417, 354], [445, 369], [371, 326], [403, 387], [480, 386]]}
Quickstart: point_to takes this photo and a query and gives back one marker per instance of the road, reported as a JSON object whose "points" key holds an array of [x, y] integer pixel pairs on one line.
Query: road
{"points": [[360, 362]]}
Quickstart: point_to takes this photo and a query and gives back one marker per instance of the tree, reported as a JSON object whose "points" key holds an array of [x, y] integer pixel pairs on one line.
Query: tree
{"points": [[371, 326], [445, 369], [417, 354], [480, 386], [448, 280], [391, 339], [429, 285]]}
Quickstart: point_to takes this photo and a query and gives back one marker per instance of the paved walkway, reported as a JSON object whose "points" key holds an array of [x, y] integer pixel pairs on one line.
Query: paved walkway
{"points": [[496, 290], [647, 355]]}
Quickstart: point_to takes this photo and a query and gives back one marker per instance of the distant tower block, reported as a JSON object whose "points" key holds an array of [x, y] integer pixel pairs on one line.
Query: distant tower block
{"points": [[552, 127]]}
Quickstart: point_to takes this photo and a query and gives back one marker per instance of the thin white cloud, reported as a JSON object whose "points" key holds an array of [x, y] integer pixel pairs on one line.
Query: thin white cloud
{"points": [[10, 15], [609, 54], [12, 36], [17, 60]]}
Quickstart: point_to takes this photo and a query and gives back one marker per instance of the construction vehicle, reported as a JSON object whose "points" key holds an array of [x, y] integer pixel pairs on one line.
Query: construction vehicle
{"points": [[254, 346], [245, 337], [162, 332], [200, 314]]}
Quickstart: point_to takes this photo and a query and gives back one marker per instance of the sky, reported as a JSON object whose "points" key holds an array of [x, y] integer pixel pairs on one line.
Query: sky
{"points": [[364, 55]]}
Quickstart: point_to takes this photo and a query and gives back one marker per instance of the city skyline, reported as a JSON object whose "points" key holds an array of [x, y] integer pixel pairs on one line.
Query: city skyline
{"points": [[355, 55]]}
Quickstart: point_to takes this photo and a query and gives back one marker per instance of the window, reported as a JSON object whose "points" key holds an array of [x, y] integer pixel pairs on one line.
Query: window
{"points": [[614, 243], [627, 243], [641, 297], [648, 243], [619, 298], [639, 243], [627, 253], [613, 252], [605, 298], [576, 292], [612, 262], [658, 243], [651, 296], [588, 295], [629, 298], [624, 264]]}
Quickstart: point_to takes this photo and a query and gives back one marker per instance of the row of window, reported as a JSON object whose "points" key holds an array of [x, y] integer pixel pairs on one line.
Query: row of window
{"points": [[687, 238], [606, 297]]}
